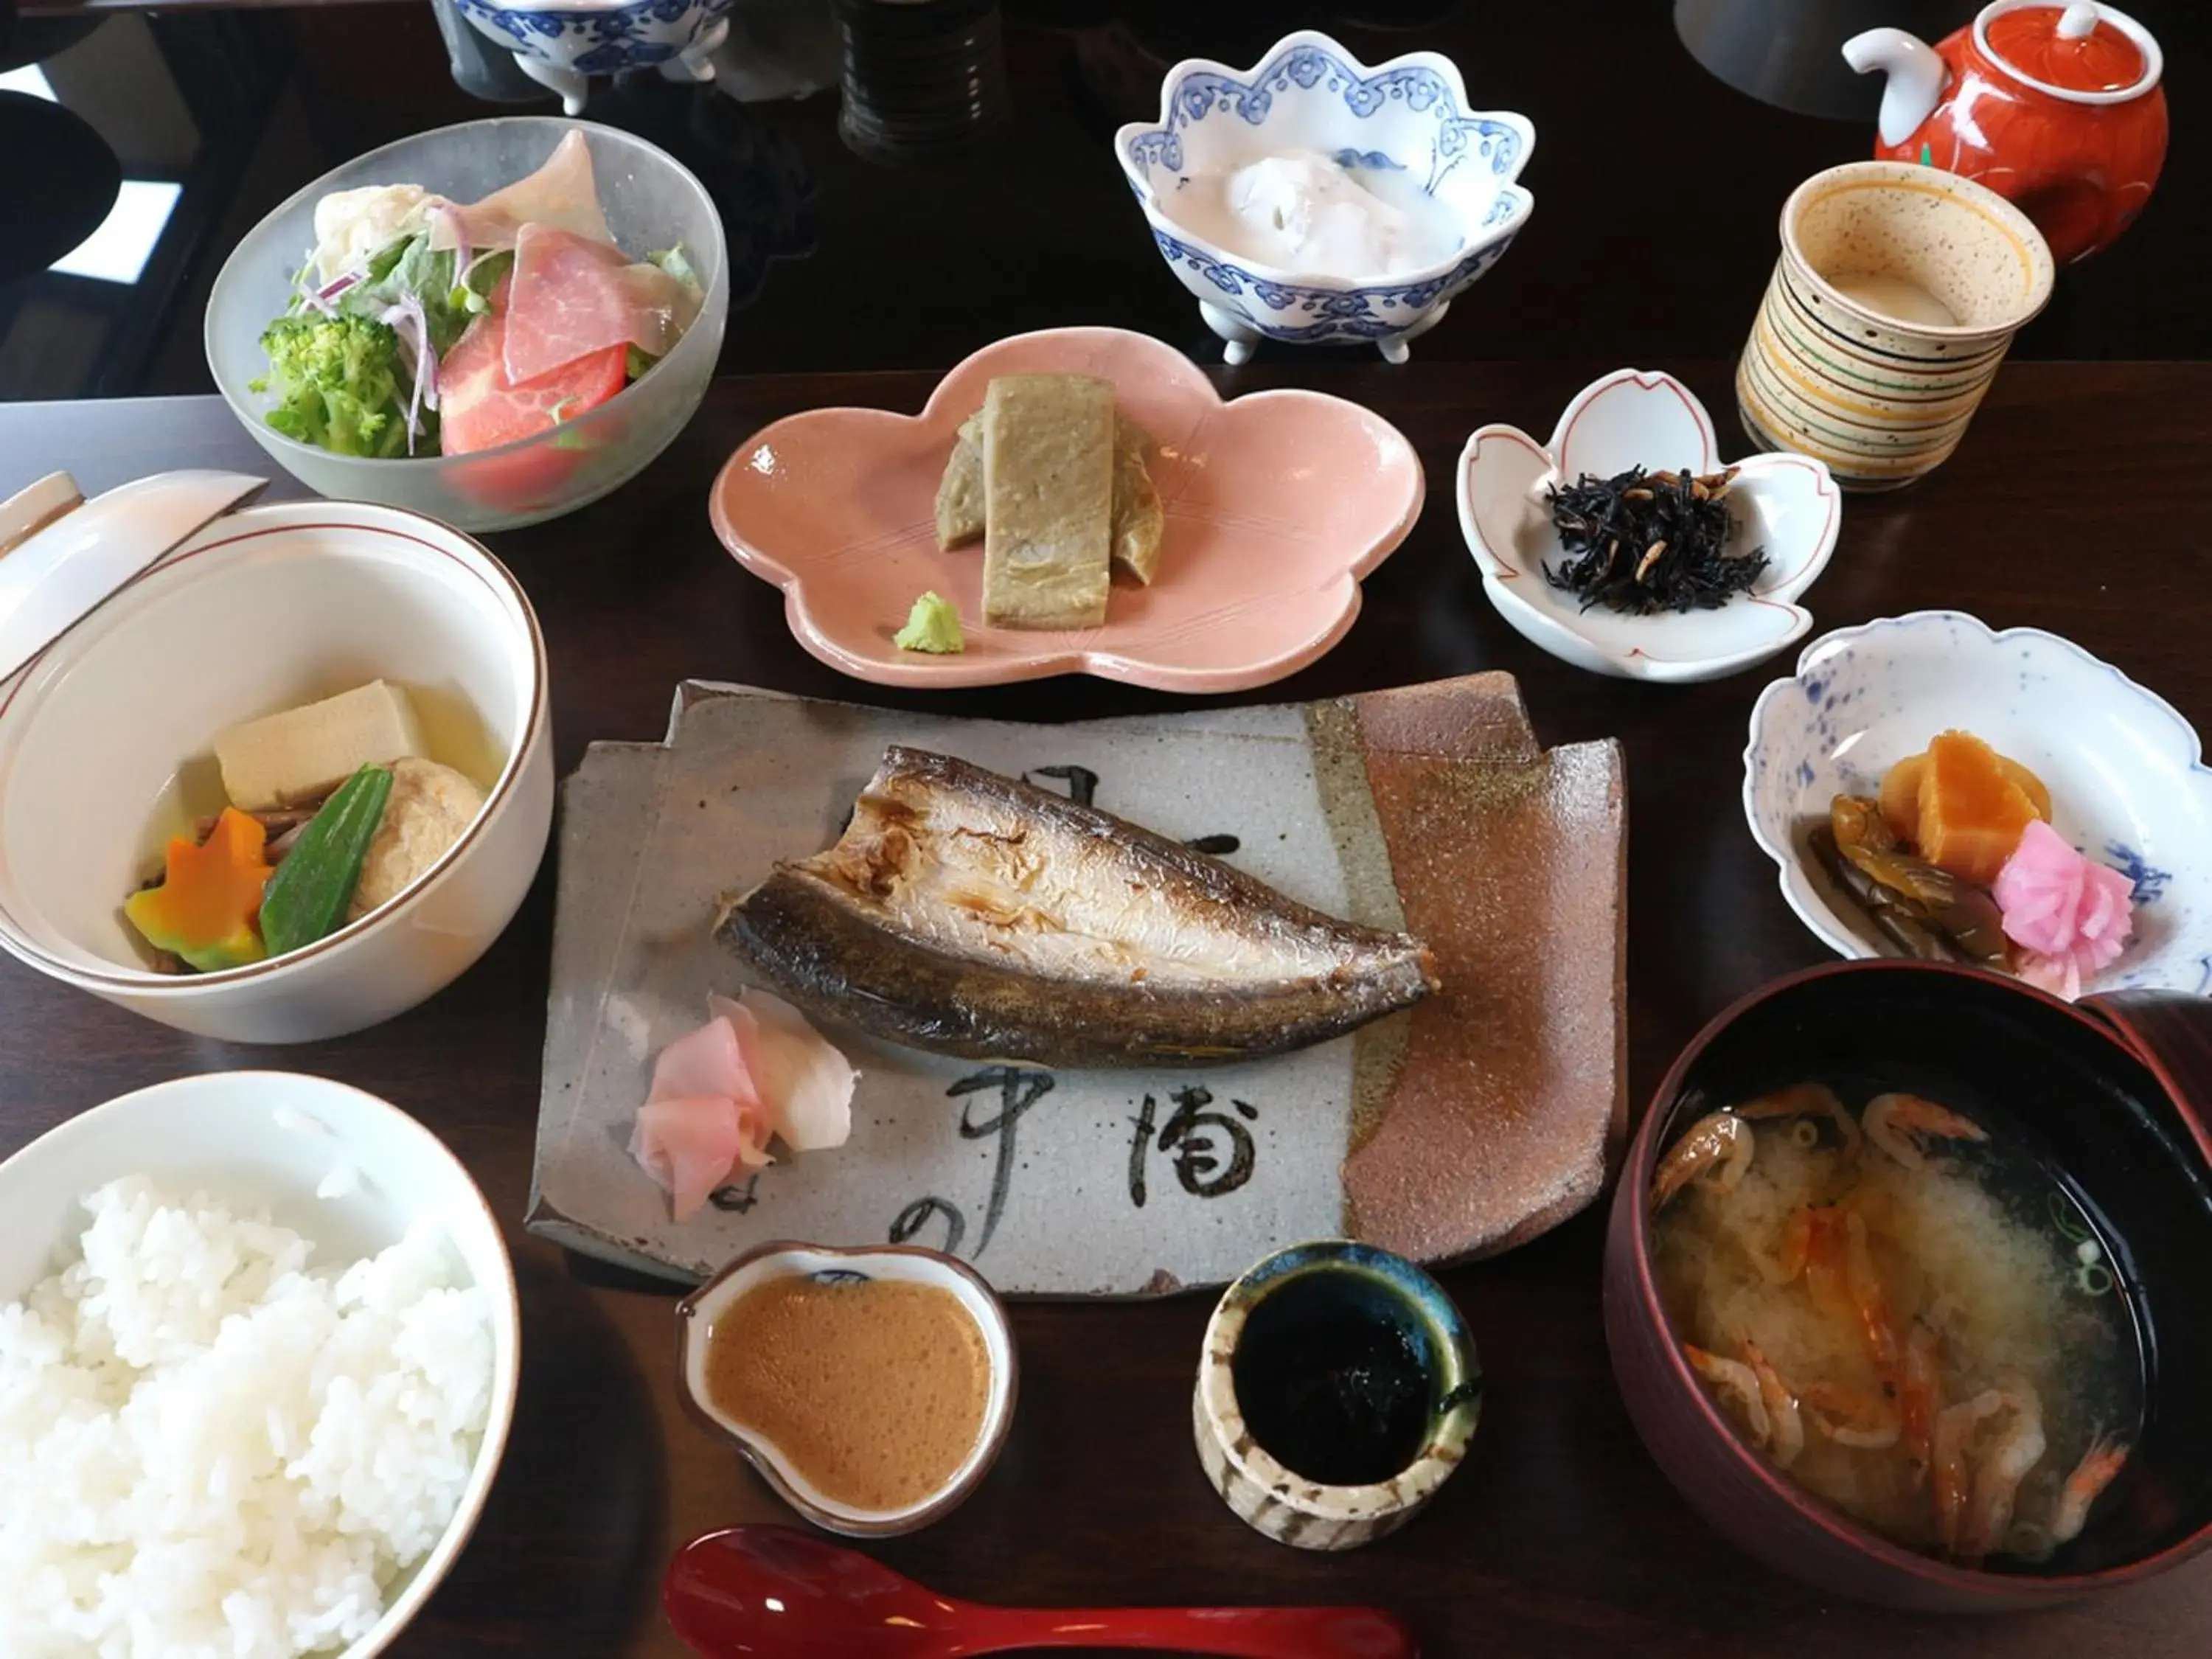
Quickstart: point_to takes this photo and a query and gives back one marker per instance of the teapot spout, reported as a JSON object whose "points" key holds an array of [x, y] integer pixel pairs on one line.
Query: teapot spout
{"points": [[1916, 77]]}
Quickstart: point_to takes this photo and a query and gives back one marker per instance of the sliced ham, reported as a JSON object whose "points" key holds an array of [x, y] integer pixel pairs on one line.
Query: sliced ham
{"points": [[804, 1083], [573, 296], [482, 408], [561, 195], [690, 1144]]}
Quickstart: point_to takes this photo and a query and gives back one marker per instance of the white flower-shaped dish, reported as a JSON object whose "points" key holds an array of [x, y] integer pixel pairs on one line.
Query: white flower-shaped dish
{"points": [[2128, 782], [1786, 505]]}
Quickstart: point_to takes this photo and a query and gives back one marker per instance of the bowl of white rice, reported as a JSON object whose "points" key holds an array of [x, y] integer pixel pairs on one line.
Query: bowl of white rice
{"points": [[258, 1348]]}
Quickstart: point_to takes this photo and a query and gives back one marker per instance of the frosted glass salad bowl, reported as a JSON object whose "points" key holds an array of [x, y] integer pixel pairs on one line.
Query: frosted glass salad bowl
{"points": [[1402, 130], [652, 201]]}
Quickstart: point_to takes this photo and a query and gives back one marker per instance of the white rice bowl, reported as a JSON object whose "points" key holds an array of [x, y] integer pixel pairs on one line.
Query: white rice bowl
{"points": [[212, 1446]]}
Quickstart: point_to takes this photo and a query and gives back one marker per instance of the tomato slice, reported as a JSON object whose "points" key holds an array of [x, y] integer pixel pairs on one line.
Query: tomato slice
{"points": [[479, 408]]}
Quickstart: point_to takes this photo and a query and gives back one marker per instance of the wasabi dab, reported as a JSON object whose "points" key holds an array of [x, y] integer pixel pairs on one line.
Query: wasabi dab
{"points": [[932, 625]]}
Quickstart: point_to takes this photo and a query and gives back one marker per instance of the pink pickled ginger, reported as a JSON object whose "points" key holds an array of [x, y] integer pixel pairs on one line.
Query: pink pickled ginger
{"points": [[702, 1118], [574, 295], [561, 195], [691, 1143], [2071, 915], [806, 1083], [756, 1069]]}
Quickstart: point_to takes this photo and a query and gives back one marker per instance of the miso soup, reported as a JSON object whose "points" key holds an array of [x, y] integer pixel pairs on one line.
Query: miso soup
{"points": [[1905, 1310]]}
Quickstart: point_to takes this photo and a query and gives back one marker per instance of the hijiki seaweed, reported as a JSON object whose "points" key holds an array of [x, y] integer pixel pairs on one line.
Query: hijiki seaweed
{"points": [[1645, 541]]}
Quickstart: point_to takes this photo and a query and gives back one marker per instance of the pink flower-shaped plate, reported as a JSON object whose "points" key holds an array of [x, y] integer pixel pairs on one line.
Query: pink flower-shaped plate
{"points": [[1278, 504], [1786, 505]]}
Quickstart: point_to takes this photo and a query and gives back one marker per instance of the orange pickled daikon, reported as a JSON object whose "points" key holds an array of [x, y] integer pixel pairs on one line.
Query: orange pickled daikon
{"points": [[1963, 805]]}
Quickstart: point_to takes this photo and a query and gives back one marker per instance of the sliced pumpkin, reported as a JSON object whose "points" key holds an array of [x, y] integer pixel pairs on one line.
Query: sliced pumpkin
{"points": [[210, 895], [1900, 790], [1973, 807]]}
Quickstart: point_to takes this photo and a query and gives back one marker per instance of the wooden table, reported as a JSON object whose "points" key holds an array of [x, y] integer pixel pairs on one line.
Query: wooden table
{"points": [[2074, 505]]}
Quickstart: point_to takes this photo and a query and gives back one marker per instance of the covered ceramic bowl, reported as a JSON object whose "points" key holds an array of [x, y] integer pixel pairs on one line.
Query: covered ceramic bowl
{"points": [[191, 620]]}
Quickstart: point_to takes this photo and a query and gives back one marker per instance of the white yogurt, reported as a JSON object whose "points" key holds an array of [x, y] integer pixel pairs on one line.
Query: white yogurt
{"points": [[1303, 212]]}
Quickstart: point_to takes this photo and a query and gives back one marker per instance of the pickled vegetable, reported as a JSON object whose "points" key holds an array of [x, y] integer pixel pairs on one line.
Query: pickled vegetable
{"points": [[1964, 916], [1963, 805]]}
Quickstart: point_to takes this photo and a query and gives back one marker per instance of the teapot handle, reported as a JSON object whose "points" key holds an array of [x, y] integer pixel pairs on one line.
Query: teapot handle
{"points": [[2170, 1032], [1916, 75]]}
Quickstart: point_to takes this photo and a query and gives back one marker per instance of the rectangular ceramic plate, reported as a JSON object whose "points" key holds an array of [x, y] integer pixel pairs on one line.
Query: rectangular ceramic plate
{"points": [[1473, 1122]]}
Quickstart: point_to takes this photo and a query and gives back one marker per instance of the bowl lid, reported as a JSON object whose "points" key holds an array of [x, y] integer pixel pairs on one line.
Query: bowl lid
{"points": [[61, 557]]}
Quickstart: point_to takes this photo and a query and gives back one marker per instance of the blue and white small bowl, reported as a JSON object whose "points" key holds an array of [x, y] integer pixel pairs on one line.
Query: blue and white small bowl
{"points": [[2128, 782], [561, 44], [1308, 92]]}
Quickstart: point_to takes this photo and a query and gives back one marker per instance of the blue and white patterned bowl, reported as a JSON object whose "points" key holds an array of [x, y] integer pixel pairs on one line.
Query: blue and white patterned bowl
{"points": [[1309, 93], [561, 43], [2128, 782]]}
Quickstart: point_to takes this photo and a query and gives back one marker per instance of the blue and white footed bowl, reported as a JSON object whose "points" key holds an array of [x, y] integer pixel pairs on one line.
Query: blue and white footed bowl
{"points": [[2128, 782], [1309, 93], [561, 44]]}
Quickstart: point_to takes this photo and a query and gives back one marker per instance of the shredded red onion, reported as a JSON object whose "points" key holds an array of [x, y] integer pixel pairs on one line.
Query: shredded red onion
{"points": [[458, 223], [408, 309]]}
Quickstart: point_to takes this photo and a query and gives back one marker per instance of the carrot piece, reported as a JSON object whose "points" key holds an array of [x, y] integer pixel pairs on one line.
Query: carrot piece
{"points": [[209, 896]]}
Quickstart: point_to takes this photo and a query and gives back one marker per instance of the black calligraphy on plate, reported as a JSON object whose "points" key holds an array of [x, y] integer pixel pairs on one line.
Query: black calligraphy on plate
{"points": [[1082, 782], [738, 1196], [911, 1220], [1212, 1153], [1019, 1088], [1083, 789]]}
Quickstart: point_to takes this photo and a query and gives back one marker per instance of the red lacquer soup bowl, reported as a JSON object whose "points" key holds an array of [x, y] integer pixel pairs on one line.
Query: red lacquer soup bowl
{"points": [[2114, 1095]]}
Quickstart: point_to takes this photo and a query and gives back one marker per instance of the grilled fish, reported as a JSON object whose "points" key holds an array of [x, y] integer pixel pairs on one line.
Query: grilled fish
{"points": [[972, 914]]}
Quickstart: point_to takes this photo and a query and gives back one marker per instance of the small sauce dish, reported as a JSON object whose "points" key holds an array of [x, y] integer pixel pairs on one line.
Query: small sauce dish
{"points": [[871, 1388], [1337, 1391]]}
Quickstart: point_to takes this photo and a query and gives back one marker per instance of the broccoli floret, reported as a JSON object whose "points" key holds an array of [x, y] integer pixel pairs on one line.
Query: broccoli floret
{"points": [[338, 384]]}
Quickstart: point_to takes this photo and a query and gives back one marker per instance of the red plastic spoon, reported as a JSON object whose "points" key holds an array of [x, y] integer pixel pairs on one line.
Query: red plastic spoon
{"points": [[783, 1594]]}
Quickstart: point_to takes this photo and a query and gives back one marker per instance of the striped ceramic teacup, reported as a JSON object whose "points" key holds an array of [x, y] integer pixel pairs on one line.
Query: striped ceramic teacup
{"points": [[1897, 293]]}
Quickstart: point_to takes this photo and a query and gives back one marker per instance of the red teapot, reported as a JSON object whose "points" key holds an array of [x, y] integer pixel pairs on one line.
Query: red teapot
{"points": [[2056, 106]]}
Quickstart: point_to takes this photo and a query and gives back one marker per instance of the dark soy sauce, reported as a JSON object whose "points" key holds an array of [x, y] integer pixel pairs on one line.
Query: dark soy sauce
{"points": [[1332, 1374]]}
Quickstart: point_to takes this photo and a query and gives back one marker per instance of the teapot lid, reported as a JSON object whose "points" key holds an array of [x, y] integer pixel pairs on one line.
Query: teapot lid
{"points": [[2085, 52]]}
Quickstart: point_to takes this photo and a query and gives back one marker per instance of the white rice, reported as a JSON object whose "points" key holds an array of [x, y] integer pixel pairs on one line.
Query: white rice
{"points": [[210, 1449]]}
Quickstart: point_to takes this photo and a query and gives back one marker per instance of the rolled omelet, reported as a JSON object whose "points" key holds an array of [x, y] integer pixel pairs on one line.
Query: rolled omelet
{"points": [[430, 807]]}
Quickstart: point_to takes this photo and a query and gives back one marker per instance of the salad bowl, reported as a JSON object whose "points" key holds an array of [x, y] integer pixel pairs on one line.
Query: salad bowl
{"points": [[561, 44], [1409, 116], [1786, 506], [2128, 781], [651, 201]]}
